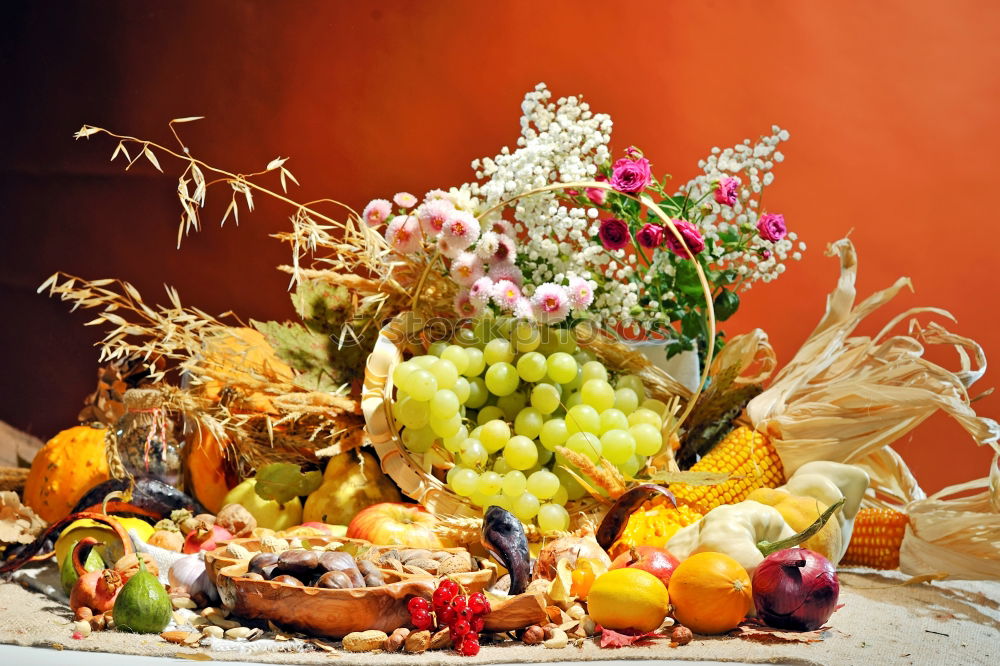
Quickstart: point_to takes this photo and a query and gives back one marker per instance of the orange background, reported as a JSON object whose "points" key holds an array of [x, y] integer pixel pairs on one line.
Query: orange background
{"points": [[892, 107]]}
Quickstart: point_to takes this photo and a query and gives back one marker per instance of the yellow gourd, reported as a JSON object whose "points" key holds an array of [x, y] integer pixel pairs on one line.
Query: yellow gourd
{"points": [[268, 513], [70, 464], [111, 549], [801, 512], [352, 481]]}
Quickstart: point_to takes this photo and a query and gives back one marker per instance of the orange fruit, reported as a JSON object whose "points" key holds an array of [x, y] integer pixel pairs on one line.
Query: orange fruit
{"points": [[710, 592], [628, 599]]}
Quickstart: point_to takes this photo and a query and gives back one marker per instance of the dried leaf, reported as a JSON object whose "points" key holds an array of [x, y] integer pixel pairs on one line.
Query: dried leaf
{"points": [[186, 119], [275, 163], [18, 522], [616, 639], [559, 590], [763, 634], [152, 158], [193, 656]]}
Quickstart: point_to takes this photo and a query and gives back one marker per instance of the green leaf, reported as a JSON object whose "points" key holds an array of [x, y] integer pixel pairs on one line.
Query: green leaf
{"points": [[686, 278], [692, 324], [726, 304], [283, 482]]}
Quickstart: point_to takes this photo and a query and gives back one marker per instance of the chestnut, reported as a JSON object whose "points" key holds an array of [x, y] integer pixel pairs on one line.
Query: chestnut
{"points": [[334, 580], [338, 561], [298, 562], [261, 560], [288, 580]]}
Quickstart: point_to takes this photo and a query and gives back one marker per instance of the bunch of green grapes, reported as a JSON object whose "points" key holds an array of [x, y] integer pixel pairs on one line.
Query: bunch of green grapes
{"points": [[502, 398]]}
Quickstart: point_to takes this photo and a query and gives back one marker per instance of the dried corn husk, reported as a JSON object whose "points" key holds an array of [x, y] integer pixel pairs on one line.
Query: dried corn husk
{"points": [[844, 398]]}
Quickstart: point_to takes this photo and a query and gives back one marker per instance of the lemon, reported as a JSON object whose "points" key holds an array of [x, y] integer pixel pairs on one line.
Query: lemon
{"points": [[628, 599]]}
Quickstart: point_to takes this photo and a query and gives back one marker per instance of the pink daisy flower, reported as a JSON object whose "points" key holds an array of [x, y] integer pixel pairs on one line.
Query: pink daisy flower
{"points": [[550, 303], [437, 195], [449, 249], [506, 295], [502, 226], [481, 290], [465, 306], [522, 310], [461, 229], [404, 200], [376, 212], [433, 215], [581, 293], [466, 269], [505, 270], [506, 249], [403, 234]]}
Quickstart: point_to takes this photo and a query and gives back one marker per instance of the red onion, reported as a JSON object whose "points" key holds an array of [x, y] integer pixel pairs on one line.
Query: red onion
{"points": [[795, 589]]}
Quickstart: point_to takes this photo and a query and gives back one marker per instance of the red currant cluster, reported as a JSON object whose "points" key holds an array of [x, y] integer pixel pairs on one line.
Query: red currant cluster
{"points": [[462, 614]]}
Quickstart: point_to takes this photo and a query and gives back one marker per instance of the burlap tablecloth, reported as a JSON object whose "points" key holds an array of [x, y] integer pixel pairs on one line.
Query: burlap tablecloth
{"points": [[881, 622]]}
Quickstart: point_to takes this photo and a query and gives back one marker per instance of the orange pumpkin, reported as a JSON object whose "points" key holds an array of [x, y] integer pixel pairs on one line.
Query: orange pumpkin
{"points": [[710, 592], [209, 473], [70, 464], [237, 356]]}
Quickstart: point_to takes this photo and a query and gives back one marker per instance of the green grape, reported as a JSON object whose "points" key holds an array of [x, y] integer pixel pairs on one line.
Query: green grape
{"points": [[464, 482], [656, 406], [626, 400], [501, 378], [473, 453], [478, 393], [574, 490], [632, 466], [561, 496], [489, 483], [457, 356], [575, 383], [598, 394], [489, 413], [436, 348], [411, 413], [444, 372], [529, 422], [548, 341], [444, 404], [465, 337], [475, 362], [618, 446], [586, 443], [500, 466], [574, 399], [501, 501], [454, 443], [565, 342], [479, 499], [446, 427], [545, 398], [495, 434], [648, 439], [531, 367], [421, 385], [451, 474], [525, 507], [424, 361], [633, 382], [553, 518], [418, 440], [544, 456], [434, 459], [612, 419], [582, 418], [498, 350], [484, 330], [520, 452], [645, 416], [525, 336], [461, 389], [561, 367], [512, 404], [583, 356], [401, 372], [554, 433], [543, 484], [514, 483], [594, 370]]}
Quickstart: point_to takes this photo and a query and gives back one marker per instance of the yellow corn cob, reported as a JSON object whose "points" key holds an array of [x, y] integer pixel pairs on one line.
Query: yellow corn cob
{"points": [[877, 536], [743, 453], [653, 525]]}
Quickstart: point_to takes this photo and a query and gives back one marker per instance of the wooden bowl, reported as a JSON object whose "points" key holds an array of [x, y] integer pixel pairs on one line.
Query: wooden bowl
{"points": [[333, 613]]}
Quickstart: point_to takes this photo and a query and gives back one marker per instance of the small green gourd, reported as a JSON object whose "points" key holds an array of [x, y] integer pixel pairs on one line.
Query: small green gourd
{"points": [[67, 573], [142, 606]]}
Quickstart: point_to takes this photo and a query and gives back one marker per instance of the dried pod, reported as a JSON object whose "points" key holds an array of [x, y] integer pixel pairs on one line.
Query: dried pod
{"points": [[440, 639], [533, 635], [427, 564], [334, 580], [418, 641], [681, 635], [271, 544], [408, 554], [392, 563], [364, 641], [415, 571], [213, 631], [236, 519]]}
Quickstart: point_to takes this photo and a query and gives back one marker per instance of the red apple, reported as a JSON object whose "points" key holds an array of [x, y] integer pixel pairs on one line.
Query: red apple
{"points": [[657, 561], [395, 524]]}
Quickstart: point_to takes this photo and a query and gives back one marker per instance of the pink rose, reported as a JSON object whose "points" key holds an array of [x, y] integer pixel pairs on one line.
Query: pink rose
{"points": [[597, 195], [614, 234], [692, 240], [771, 226], [650, 236], [630, 175], [727, 191]]}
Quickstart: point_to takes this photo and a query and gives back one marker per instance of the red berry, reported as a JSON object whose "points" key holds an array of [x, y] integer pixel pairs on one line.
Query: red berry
{"points": [[479, 604], [460, 628], [466, 614], [450, 587], [459, 603], [442, 596], [476, 625], [448, 616], [421, 619], [417, 603], [470, 648], [77, 635]]}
